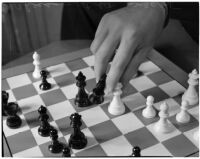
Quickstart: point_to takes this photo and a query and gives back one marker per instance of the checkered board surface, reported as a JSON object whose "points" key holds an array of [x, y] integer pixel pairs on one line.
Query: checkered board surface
{"points": [[107, 135]]}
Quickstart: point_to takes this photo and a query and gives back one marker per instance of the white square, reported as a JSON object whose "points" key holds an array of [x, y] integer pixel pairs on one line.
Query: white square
{"points": [[190, 135], [70, 91], [89, 60], [142, 83], [163, 136], [11, 97], [91, 141], [30, 104], [156, 150], [51, 81], [174, 107], [127, 123], [148, 67], [88, 73], [61, 110], [194, 112], [172, 88], [9, 132], [58, 70], [118, 146], [40, 139], [32, 152], [18, 81], [93, 116]]}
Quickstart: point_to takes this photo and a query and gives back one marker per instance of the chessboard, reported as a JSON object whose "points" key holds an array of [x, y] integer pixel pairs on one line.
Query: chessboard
{"points": [[107, 135]]}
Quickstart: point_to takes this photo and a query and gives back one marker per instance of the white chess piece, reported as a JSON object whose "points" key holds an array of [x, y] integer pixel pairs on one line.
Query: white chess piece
{"points": [[191, 94], [196, 135], [183, 116], [116, 106], [163, 125], [149, 111], [36, 63]]}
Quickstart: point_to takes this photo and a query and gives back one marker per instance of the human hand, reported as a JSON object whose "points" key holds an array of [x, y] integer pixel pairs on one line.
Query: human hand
{"points": [[133, 31]]}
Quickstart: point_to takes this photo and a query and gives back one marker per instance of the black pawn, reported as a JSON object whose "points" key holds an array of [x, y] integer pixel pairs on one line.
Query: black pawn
{"points": [[81, 99], [97, 95], [13, 120], [55, 146], [66, 152], [44, 85], [136, 152], [77, 139], [45, 127], [5, 97]]}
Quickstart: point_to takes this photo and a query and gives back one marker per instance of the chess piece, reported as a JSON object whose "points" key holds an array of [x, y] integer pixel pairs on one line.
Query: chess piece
{"points": [[66, 152], [36, 62], [196, 136], [136, 152], [116, 106], [77, 139], [183, 116], [55, 146], [97, 95], [5, 97], [44, 85], [191, 94], [81, 99], [149, 111], [163, 125], [45, 127], [13, 120]]}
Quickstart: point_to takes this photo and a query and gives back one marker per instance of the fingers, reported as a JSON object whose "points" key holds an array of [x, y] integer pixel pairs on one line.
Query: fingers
{"points": [[133, 65], [119, 63], [104, 54]]}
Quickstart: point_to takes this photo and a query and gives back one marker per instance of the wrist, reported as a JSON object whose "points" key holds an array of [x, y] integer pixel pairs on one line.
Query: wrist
{"points": [[162, 6]]}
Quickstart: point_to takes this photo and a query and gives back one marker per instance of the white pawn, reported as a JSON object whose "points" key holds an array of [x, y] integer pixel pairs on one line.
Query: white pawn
{"points": [[196, 135], [116, 106], [149, 111], [163, 125], [191, 94], [183, 116], [36, 63]]}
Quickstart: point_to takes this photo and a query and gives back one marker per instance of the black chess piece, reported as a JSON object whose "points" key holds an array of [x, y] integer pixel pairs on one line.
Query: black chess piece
{"points": [[97, 95], [45, 85], [55, 146], [45, 127], [81, 99], [77, 139], [66, 152], [5, 97], [136, 151], [13, 120]]}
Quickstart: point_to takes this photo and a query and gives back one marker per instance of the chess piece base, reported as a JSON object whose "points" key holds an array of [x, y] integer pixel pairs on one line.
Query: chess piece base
{"points": [[77, 142], [94, 99], [14, 122], [181, 119], [45, 86], [84, 102], [149, 113], [161, 128], [36, 75], [56, 147]]}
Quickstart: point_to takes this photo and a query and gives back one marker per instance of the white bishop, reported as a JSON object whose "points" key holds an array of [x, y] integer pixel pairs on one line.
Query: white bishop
{"points": [[163, 125], [36, 63]]}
